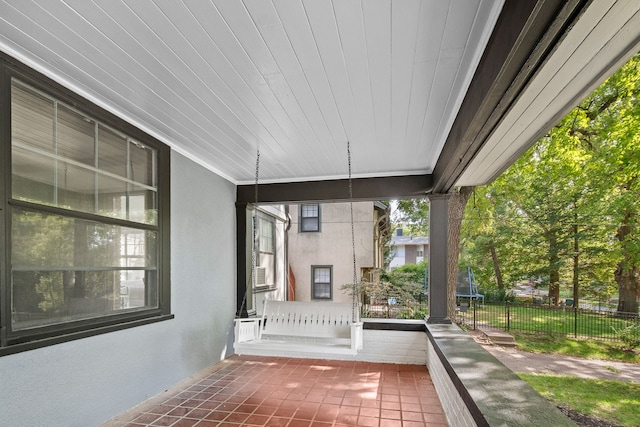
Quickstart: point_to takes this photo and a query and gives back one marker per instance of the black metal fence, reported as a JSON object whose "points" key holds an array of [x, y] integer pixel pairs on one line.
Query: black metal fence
{"points": [[394, 309], [566, 321]]}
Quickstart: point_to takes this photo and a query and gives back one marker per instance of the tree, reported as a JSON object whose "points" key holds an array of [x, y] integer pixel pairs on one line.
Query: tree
{"points": [[457, 204], [414, 215], [568, 209], [607, 123], [416, 212]]}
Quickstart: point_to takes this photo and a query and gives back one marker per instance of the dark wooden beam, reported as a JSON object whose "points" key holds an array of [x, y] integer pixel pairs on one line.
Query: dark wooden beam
{"points": [[241, 260], [382, 188], [524, 36]]}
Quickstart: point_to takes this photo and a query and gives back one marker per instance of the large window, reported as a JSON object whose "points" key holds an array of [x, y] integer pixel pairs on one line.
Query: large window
{"points": [[309, 218], [86, 219], [321, 282]]}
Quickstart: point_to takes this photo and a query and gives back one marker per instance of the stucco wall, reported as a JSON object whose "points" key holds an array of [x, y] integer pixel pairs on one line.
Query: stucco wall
{"points": [[332, 246], [86, 382]]}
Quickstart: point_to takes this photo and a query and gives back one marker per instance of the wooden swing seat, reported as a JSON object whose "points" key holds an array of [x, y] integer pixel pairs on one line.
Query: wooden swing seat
{"points": [[302, 329]]}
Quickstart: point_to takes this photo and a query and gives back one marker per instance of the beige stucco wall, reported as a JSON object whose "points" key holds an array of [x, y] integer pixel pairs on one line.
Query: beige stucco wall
{"points": [[332, 246]]}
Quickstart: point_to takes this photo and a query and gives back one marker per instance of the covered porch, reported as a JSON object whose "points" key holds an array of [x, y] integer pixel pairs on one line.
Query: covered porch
{"points": [[431, 95], [408, 374]]}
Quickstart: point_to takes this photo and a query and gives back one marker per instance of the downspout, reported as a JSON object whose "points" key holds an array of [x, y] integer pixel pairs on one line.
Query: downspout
{"points": [[287, 227]]}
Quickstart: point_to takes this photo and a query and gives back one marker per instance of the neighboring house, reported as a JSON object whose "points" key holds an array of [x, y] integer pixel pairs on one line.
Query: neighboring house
{"points": [[407, 249], [321, 250]]}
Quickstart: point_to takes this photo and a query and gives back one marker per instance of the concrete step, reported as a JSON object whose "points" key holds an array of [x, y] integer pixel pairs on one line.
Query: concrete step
{"points": [[498, 337]]}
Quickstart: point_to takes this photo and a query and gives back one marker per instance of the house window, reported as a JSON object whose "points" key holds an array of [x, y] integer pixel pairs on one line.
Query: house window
{"points": [[420, 253], [321, 282], [266, 256], [266, 232], [87, 220], [309, 218]]}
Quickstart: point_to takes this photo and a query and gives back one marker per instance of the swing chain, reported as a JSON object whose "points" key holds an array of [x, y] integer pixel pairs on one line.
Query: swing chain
{"points": [[253, 240], [355, 294]]}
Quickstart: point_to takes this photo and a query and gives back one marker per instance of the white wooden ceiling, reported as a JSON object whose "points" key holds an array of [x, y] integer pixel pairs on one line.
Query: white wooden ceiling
{"points": [[219, 79]]}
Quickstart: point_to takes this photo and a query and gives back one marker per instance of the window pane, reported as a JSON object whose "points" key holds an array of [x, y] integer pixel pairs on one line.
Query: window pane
{"points": [[119, 199], [67, 269], [42, 298], [143, 205], [322, 291], [142, 164], [310, 224], [76, 188], [309, 211], [33, 177], [266, 235], [322, 275], [43, 240], [112, 151], [31, 119], [75, 136]]}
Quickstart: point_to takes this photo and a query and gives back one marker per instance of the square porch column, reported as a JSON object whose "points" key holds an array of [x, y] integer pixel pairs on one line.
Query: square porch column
{"points": [[438, 251]]}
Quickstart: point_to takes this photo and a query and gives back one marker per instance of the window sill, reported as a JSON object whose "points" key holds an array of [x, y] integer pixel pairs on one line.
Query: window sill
{"points": [[260, 289], [72, 336]]}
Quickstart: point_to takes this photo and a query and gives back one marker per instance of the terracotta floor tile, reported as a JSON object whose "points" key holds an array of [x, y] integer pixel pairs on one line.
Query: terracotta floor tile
{"points": [[256, 419], [390, 414], [265, 410], [186, 422], [390, 423], [165, 421], [206, 423], [265, 391], [412, 416], [278, 421], [368, 421]]}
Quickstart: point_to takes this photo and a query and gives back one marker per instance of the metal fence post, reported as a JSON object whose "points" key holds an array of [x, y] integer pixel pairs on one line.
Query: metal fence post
{"points": [[474, 313], [575, 320], [508, 308]]}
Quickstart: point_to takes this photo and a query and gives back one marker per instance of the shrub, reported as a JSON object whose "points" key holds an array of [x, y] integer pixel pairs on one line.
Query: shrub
{"points": [[629, 335]]}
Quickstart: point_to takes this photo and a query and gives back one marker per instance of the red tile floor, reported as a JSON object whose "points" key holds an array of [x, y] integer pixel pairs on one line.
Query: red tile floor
{"points": [[270, 391]]}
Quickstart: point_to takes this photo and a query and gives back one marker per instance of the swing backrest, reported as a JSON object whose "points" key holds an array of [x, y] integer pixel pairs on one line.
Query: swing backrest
{"points": [[307, 319]]}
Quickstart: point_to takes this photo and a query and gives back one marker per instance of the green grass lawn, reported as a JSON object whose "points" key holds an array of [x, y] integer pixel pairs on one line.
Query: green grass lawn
{"points": [[549, 320], [553, 331], [614, 401], [588, 349]]}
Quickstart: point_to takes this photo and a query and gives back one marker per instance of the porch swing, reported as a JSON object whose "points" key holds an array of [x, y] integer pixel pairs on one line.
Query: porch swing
{"points": [[296, 328]]}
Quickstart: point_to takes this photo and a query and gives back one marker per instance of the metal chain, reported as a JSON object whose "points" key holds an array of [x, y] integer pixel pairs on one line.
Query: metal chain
{"points": [[254, 234], [254, 222], [355, 311]]}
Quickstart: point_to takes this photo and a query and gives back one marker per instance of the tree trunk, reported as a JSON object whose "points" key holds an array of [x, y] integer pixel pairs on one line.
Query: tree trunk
{"points": [[627, 274], [576, 254], [628, 280], [496, 266], [457, 204], [554, 272]]}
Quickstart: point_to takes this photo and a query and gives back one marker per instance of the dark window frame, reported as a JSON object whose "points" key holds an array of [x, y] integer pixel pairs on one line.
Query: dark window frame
{"points": [[301, 218], [314, 283], [264, 218], [26, 339]]}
